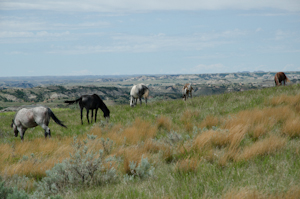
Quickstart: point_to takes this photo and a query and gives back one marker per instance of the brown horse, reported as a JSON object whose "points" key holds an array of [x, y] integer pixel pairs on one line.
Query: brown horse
{"points": [[280, 77], [186, 91]]}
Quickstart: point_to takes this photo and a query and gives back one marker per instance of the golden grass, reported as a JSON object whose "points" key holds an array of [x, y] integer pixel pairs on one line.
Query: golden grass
{"points": [[164, 123], [266, 146], [139, 131], [291, 127], [45, 154], [285, 99], [48, 152], [187, 165], [187, 118], [131, 154], [267, 116], [244, 194], [258, 130], [209, 122], [235, 137], [247, 193]]}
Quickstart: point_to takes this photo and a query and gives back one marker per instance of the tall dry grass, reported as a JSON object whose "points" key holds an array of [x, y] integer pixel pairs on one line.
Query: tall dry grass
{"points": [[291, 127], [164, 123], [257, 124], [187, 165], [266, 146], [251, 193], [33, 158], [188, 119], [140, 130], [209, 121], [285, 99]]}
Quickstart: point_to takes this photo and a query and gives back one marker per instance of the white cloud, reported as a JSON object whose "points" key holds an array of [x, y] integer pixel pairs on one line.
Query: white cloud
{"points": [[47, 34], [151, 43], [280, 35], [33, 24], [7, 34], [154, 5], [17, 24]]}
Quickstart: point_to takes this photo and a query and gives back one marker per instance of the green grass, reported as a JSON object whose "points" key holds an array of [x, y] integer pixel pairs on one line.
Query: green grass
{"points": [[273, 174]]}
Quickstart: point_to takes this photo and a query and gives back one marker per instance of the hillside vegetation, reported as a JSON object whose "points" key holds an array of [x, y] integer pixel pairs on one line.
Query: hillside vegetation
{"points": [[232, 145], [52, 91]]}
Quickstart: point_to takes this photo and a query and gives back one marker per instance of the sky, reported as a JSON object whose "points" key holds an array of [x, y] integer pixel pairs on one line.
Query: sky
{"points": [[131, 37]]}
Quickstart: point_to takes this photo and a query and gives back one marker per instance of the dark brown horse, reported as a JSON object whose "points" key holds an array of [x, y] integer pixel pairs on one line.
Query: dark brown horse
{"points": [[92, 102], [280, 77]]}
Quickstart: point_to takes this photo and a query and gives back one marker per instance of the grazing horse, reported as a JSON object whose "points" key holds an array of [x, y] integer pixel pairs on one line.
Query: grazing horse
{"points": [[186, 91], [91, 102], [280, 77], [137, 92], [31, 117]]}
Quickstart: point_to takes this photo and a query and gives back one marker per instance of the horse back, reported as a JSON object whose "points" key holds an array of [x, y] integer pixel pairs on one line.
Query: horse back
{"points": [[187, 87], [32, 117], [139, 90]]}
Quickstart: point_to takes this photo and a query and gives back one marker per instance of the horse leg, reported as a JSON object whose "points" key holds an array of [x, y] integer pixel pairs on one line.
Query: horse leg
{"points": [[146, 100], [22, 132], [47, 130], [96, 114], [81, 109], [92, 115], [87, 115], [140, 98]]}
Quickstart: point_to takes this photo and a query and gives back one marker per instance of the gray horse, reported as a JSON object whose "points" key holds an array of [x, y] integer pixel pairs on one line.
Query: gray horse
{"points": [[31, 117], [137, 92]]}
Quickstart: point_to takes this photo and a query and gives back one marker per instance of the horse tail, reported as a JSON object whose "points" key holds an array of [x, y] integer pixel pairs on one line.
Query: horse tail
{"points": [[56, 120], [73, 101]]}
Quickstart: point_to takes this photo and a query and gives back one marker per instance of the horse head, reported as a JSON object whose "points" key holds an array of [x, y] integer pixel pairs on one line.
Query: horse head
{"points": [[132, 102]]}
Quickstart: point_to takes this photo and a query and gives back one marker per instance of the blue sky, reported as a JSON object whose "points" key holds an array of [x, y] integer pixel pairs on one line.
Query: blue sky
{"points": [[127, 37]]}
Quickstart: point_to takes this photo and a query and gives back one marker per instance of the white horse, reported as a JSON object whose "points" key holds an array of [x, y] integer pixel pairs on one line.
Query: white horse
{"points": [[137, 92], [186, 91], [31, 117]]}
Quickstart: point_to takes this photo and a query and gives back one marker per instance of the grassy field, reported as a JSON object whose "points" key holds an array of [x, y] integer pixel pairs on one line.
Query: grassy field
{"points": [[233, 145]]}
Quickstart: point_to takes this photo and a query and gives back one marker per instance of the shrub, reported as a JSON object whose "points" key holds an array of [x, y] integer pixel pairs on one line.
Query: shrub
{"points": [[83, 168], [143, 170], [11, 193]]}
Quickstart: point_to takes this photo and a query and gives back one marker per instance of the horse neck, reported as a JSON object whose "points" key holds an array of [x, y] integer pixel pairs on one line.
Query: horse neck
{"points": [[103, 107]]}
